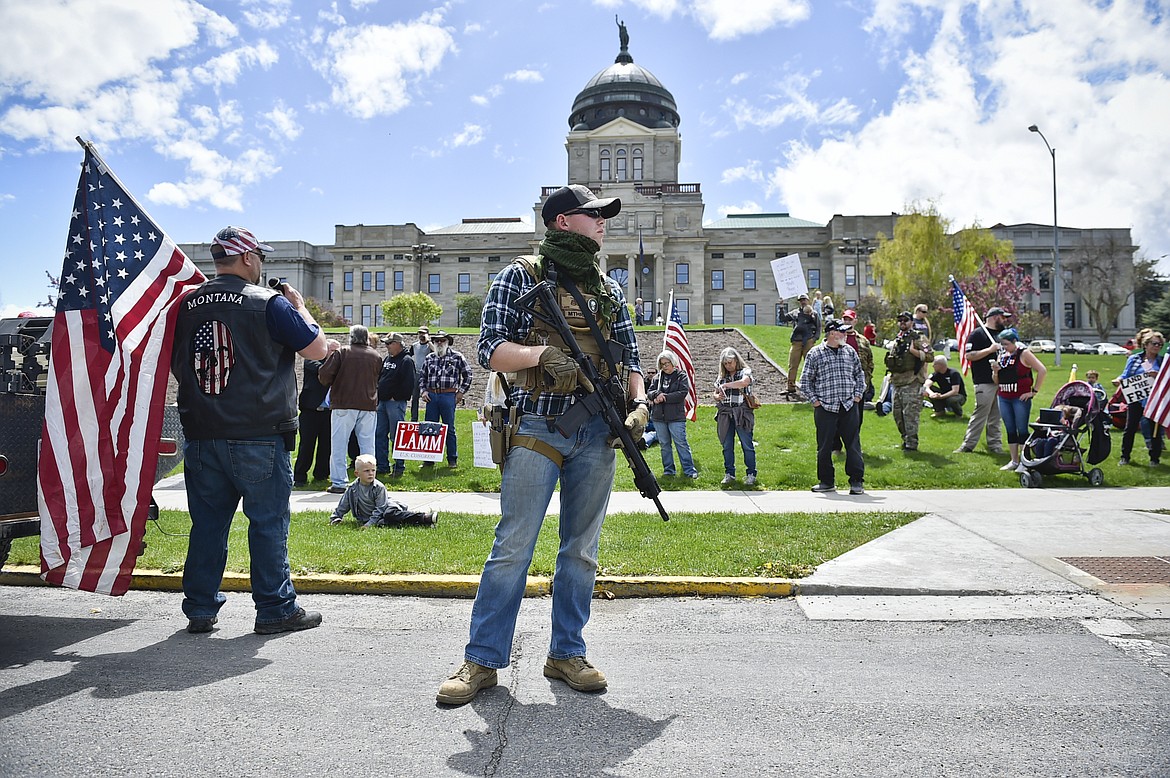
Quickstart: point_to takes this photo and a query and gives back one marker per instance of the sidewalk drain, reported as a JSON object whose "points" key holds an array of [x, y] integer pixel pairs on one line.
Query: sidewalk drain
{"points": [[1123, 569]]}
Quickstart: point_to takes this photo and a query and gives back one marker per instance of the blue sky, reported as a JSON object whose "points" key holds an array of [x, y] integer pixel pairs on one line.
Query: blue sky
{"points": [[289, 117]]}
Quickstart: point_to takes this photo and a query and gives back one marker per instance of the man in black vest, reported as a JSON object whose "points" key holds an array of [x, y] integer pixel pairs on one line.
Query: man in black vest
{"points": [[235, 347]]}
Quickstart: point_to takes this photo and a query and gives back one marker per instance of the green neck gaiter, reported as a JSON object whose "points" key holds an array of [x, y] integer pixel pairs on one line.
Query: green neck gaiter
{"points": [[576, 255]]}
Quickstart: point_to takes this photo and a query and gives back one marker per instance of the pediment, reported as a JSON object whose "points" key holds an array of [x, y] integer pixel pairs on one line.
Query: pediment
{"points": [[620, 127]]}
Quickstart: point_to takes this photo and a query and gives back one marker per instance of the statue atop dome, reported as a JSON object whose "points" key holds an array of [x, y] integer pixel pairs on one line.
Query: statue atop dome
{"points": [[624, 39]]}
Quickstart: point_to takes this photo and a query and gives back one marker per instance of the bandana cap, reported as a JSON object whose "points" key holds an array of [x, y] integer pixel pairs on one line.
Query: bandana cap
{"points": [[237, 240]]}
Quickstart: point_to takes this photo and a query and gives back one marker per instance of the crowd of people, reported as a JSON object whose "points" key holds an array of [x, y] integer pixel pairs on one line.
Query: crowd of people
{"points": [[234, 352]]}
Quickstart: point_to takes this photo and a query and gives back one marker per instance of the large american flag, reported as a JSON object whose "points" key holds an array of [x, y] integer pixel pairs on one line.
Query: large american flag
{"points": [[110, 357], [675, 340], [1157, 407], [965, 322]]}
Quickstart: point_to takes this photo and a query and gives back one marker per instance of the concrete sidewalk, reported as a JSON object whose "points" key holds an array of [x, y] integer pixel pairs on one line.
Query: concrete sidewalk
{"points": [[976, 553]]}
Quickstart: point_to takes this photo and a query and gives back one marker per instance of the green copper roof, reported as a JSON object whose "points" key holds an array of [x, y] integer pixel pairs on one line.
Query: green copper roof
{"points": [[737, 221]]}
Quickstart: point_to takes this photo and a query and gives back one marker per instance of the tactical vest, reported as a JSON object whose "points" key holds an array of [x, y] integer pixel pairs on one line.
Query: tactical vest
{"points": [[235, 382], [541, 335]]}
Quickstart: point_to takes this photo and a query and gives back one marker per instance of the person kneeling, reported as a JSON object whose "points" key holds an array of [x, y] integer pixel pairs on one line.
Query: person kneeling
{"points": [[366, 498]]}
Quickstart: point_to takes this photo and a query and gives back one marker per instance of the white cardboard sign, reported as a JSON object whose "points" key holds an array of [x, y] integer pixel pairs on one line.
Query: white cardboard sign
{"points": [[789, 276]]}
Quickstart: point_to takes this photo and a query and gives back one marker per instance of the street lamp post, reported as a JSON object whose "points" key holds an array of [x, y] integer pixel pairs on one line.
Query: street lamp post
{"points": [[1057, 279], [658, 317], [422, 252], [860, 248]]}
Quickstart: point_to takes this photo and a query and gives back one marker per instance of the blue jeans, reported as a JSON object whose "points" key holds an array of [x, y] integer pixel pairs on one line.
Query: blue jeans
{"points": [[390, 412], [528, 481], [749, 451], [344, 422], [218, 473], [1015, 413], [676, 432], [441, 407]]}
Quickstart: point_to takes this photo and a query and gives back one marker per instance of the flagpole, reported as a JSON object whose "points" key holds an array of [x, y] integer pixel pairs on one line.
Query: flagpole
{"points": [[973, 311], [105, 170], [669, 309]]}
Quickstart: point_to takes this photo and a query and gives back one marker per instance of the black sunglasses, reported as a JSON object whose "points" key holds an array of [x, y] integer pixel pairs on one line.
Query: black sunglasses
{"points": [[592, 213]]}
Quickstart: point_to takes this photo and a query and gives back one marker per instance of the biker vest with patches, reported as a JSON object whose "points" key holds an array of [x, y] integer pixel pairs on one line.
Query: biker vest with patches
{"points": [[542, 335], [235, 381]]}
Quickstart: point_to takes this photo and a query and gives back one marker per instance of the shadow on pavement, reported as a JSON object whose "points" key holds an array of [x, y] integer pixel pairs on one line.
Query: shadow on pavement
{"points": [[180, 662], [579, 735]]}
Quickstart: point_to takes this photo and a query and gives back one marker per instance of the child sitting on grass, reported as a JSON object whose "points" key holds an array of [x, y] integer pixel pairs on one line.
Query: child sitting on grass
{"points": [[366, 498]]}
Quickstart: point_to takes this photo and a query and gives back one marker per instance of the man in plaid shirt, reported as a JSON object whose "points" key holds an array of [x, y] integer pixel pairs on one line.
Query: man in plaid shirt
{"points": [[444, 379], [583, 463], [834, 383]]}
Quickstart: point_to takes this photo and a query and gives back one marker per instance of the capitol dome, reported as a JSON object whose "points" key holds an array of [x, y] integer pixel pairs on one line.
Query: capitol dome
{"points": [[624, 90]]}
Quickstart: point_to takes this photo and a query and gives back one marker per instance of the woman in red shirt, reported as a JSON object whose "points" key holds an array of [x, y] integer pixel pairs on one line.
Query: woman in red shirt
{"points": [[1013, 372]]}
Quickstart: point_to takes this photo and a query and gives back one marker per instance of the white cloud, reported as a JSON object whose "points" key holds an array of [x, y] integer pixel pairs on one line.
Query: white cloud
{"points": [[525, 76], [213, 178], [749, 171], [266, 14], [792, 103], [725, 19], [371, 67], [739, 78], [729, 19], [493, 91], [283, 121], [49, 50], [747, 206], [470, 135], [1092, 76], [360, 4], [226, 68], [472, 27]]}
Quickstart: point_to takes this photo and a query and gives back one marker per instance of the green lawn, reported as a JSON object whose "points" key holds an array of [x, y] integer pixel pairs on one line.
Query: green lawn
{"points": [[770, 545], [785, 447]]}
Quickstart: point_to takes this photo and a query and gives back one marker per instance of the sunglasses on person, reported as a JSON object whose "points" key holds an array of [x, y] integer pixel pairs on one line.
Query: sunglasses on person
{"points": [[592, 213]]}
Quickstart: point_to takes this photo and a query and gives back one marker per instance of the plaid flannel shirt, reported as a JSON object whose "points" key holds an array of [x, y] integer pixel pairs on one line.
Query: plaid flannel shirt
{"points": [[449, 371], [832, 376], [503, 322]]}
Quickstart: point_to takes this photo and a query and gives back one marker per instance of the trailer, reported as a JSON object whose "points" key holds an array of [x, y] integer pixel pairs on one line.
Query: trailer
{"points": [[25, 345]]}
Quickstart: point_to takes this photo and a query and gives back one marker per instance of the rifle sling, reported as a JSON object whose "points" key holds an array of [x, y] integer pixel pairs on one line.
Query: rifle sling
{"points": [[602, 344]]}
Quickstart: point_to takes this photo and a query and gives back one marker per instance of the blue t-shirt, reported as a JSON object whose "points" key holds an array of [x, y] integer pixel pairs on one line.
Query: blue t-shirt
{"points": [[286, 326]]}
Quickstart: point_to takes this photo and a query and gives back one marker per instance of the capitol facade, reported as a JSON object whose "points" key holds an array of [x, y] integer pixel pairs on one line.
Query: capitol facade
{"points": [[624, 142]]}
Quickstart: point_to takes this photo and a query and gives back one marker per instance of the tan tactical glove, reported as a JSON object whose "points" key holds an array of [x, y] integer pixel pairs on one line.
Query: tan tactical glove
{"points": [[561, 374], [636, 420]]}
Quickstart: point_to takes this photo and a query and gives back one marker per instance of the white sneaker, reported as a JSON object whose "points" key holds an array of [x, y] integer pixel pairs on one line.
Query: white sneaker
{"points": [[1010, 466], [728, 479], [749, 480]]}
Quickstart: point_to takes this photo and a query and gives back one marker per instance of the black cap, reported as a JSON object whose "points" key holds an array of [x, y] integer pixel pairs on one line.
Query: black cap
{"points": [[905, 316], [997, 311], [836, 325], [570, 198]]}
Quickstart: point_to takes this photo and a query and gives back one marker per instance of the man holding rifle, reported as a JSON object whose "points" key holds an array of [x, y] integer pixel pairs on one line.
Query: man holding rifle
{"points": [[547, 383]]}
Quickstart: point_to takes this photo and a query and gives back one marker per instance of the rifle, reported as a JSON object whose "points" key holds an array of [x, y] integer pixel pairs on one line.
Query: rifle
{"points": [[609, 396]]}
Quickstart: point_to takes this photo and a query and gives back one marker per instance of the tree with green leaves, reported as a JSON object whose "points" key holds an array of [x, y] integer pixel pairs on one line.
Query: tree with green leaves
{"points": [[1157, 314], [405, 311], [468, 309], [914, 266]]}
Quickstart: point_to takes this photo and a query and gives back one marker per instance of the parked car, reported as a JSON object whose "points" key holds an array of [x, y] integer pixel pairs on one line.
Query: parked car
{"points": [[945, 346], [1077, 347], [1110, 348], [1043, 346]]}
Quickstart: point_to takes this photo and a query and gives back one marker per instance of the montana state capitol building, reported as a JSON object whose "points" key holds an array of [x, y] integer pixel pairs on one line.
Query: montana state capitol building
{"points": [[624, 142]]}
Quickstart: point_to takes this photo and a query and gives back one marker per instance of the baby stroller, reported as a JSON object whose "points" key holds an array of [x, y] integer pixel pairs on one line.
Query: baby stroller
{"points": [[1056, 443]]}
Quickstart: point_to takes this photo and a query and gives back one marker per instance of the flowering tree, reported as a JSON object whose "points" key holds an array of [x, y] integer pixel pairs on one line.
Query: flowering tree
{"points": [[998, 283]]}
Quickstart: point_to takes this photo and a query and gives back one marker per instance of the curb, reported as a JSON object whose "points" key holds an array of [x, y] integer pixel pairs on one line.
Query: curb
{"points": [[456, 586]]}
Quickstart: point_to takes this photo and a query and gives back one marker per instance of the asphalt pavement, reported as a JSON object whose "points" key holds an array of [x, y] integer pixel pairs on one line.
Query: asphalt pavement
{"points": [[962, 644]]}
